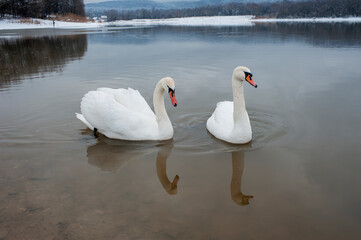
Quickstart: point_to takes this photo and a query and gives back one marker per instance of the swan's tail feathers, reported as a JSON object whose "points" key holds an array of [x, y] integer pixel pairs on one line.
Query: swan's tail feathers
{"points": [[81, 118]]}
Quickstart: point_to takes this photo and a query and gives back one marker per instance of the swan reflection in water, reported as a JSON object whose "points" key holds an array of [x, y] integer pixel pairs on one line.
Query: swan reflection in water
{"points": [[111, 155], [163, 154], [237, 171]]}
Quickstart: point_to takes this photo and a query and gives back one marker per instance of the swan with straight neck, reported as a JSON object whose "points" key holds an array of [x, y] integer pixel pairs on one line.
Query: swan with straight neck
{"points": [[230, 121]]}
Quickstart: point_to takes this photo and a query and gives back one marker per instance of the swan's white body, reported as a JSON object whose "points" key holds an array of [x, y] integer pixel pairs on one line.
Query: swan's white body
{"points": [[124, 113], [229, 121]]}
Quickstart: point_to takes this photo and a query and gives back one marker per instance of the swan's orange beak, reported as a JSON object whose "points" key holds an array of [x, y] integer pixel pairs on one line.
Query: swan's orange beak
{"points": [[172, 98], [250, 80]]}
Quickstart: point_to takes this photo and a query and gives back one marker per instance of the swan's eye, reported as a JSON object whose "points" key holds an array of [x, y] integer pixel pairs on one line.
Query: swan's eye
{"points": [[170, 90], [248, 74]]}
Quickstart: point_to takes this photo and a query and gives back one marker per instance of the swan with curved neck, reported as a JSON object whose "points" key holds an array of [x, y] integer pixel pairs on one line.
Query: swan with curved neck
{"points": [[124, 114], [229, 121]]}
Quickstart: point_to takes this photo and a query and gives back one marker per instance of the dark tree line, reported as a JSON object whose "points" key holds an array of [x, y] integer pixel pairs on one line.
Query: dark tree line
{"points": [[40, 8], [282, 9]]}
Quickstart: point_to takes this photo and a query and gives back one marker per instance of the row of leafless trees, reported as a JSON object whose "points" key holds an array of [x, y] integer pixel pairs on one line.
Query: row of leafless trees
{"points": [[40, 8], [282, 9]]}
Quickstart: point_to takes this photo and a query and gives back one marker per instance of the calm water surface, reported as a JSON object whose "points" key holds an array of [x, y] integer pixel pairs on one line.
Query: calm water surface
{"points": [[298, 179]]}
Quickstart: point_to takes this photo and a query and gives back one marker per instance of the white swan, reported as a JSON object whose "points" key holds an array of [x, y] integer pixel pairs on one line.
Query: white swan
{"points": [[124, 114], [229, 121]]}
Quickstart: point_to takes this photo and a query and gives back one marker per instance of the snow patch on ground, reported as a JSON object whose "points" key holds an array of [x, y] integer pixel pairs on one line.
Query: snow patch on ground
{"points": [[309, 20], [15, 24], [190, 21]]}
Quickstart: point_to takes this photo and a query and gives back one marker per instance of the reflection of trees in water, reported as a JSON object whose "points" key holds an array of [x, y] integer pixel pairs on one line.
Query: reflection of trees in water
{"points": [[30, 56], [320, 34]]}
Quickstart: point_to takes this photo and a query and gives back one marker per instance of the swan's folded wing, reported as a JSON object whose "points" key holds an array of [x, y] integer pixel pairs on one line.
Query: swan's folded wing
{"points": [[130, 99], [223, 114], [114, 120], [221, 121]]}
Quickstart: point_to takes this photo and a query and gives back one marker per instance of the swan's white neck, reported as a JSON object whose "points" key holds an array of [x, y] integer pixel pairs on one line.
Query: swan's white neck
{"points": [[239, 106], [164, 123]]}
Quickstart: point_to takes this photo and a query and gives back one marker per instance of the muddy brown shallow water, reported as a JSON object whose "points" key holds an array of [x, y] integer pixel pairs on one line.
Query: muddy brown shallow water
{"points": [[298, 178]]}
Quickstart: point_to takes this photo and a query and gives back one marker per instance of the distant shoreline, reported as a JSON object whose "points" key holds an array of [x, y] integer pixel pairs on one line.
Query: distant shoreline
{"points": [[218, 21]]}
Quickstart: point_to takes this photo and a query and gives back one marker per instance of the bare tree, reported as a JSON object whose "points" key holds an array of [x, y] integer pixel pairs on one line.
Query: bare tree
{"points": [[41, 8]]}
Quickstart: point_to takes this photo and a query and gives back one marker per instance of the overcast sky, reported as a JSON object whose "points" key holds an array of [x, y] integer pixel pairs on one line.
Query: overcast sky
{"points": [[95, 1]]}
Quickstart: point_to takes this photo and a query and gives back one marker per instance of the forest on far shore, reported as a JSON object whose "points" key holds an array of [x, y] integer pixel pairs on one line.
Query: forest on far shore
{"points": [[281, 9], [41, 8]]}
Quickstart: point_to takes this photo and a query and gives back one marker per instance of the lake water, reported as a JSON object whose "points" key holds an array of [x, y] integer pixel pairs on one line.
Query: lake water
{"points": [[298, 179]]}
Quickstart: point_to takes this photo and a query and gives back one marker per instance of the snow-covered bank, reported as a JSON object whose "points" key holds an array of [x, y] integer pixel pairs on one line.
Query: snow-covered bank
{"points": [[310, 20], [190, 21], [223, 21], [40, 23]]}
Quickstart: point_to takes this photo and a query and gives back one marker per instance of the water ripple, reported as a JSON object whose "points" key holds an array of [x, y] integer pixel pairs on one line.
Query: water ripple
{"points": [[191, 134]]}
